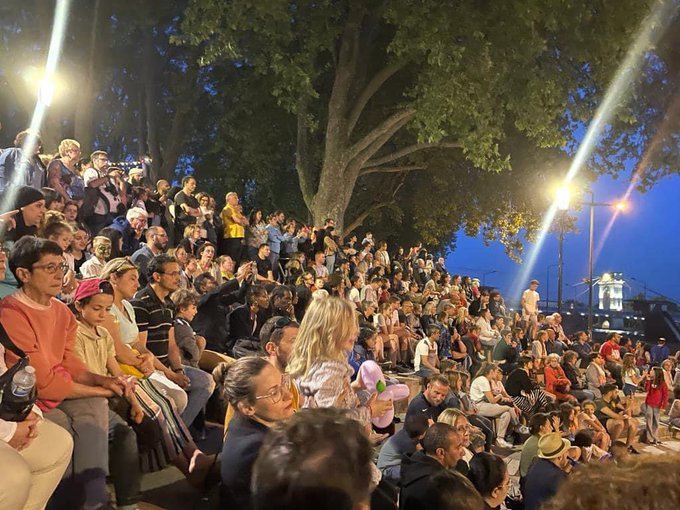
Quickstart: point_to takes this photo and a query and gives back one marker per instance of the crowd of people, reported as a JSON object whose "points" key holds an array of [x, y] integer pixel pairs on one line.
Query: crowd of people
{"points": [[115, 290]]}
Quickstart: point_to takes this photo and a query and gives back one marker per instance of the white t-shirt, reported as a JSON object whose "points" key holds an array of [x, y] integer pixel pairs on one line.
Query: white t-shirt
{"points": [[424, 348], [530, 298], [478, 388], [354, 295]]}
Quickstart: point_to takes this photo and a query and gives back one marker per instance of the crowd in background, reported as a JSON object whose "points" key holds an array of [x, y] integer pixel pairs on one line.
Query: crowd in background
{"points": [[123, 293]]}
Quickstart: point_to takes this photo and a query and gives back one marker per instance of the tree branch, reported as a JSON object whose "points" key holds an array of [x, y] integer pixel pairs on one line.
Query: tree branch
{"points": [[302, 154], [369, 91], [359, 220], [390, 169], [382, 133], [410, 150]]}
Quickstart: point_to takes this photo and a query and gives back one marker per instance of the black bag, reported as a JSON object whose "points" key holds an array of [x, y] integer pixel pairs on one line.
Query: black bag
{"points": [[11, 407]]}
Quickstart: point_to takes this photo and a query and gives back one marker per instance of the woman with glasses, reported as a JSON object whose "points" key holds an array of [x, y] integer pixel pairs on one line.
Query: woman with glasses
{"points": [[260, 397], [62, 174], [457, 419]]}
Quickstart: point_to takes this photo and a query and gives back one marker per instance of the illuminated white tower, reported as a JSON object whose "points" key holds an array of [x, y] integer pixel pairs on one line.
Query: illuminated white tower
{"points": [[611, 291]]}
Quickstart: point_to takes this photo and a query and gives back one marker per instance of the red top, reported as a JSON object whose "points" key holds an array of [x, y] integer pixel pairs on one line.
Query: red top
{"points": [[657, 396], [554, 376], [610, 348]]}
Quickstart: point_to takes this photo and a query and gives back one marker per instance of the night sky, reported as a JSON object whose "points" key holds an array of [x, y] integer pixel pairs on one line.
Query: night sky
{"points": [[644, 244]]}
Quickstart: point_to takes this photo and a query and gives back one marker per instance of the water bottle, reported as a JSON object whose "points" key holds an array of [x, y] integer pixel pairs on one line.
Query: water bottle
{"points": [[23, 382]]}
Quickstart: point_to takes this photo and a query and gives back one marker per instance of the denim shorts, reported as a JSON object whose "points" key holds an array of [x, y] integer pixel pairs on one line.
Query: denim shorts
{"points": [[629, 389]]}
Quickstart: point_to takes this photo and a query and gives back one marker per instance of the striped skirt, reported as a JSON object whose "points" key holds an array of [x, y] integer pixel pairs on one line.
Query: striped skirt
{"points": [[533, 402], [175, 438]]}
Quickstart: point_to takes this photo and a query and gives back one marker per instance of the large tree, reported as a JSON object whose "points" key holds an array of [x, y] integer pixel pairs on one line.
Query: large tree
{"points": [[383, 95]]}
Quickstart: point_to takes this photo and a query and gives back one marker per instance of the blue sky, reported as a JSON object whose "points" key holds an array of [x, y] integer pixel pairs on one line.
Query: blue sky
{"points": [[644, 243]]}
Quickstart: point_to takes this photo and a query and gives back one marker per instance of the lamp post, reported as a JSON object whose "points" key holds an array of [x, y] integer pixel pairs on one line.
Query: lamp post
{"points": [[592, 204], [563, 199], [547, 284], [484, 276]]}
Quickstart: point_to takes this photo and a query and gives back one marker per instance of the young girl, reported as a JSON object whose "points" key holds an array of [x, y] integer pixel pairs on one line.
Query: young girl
{"points": [[78, 248], [631, 375], [657, 398], [94, 345], [319, 360], [590, 422]]}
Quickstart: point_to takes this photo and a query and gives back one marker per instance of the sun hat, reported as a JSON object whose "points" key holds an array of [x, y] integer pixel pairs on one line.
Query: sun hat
{"points": [[552, 445]]}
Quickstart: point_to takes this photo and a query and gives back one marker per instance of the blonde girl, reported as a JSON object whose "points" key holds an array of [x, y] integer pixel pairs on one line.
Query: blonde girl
{"points": [[319, 359]]}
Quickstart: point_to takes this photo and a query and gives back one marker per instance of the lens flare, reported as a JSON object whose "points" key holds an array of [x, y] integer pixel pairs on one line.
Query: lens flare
{"points": [[651, 30], [45, 95]]}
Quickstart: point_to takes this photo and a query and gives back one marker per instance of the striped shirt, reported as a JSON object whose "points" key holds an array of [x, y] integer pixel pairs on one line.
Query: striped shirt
{"points": [[156, 318]]}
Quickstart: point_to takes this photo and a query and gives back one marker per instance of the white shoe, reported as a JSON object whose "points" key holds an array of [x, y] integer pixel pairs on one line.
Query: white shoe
{"points": [[524, 430], [503, 443]]}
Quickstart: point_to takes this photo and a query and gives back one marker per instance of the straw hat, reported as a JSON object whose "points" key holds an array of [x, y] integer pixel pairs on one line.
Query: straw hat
{"points": [[552, 445]]}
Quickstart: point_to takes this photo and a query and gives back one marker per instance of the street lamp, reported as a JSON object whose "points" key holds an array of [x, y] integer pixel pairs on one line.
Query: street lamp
{"points": [[484, 276], [562, 199], [620, 206], [547, 285]]}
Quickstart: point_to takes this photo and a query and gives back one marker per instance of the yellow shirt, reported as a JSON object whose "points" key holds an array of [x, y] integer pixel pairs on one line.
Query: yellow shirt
{"points": [[232, 229], [94, 348]]}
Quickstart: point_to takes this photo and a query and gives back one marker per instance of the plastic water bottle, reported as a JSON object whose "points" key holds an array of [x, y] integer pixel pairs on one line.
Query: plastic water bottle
{"points": [[23, 382]]}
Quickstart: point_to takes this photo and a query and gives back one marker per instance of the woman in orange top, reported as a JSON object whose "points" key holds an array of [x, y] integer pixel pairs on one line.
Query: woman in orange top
{"points": [[556, 381]]}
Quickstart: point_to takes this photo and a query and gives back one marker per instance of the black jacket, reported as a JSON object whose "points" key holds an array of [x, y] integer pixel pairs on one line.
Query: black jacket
{"points": [[241, 446], [416, 470], [212, 315]]}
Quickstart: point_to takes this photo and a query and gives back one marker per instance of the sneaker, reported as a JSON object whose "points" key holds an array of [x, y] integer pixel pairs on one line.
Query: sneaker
{"points": [[632, 450], [503, 443], [524, 430]]}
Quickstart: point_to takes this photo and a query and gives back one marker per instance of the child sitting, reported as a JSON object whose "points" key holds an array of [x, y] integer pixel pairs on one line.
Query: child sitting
{"points": [[674, 412], [94, 344], [191, 345], [630, 374]]}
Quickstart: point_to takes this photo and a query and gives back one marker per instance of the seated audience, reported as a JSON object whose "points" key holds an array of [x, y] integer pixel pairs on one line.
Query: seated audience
{"points": [[260, 396], [68, 394], [615, 416], [548, 471], [442, 449], [490, 476], [432, 400], [319, 458], [405, 441], [647, 482]]}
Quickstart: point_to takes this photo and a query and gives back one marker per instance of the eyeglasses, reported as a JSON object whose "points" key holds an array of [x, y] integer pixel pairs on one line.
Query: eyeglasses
{"points": [[281, 323], [53, 267], [276, 393], [462, 428]]}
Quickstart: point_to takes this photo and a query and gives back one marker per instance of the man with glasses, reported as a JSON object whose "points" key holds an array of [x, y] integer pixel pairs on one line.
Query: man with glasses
{"points": [[156, 243], [68, 394], [109, 192], [155, 314], [260, 397]]}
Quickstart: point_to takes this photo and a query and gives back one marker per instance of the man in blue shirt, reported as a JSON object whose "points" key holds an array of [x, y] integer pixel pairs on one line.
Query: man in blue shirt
{"points": [[660, 352], [548, 471], [274, 240]]}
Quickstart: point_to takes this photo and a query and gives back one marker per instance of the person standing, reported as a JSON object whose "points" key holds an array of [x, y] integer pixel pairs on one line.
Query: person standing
{"points": [[62, 174], [274, 240], [187, 208], [17, 169], [530, 300], [109, 187], [657, 399], [234, 223]]}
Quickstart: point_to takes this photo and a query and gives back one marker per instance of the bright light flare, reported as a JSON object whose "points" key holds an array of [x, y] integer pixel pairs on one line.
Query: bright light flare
{"points": [[562, 198], [44, 85], [650, 32]]}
